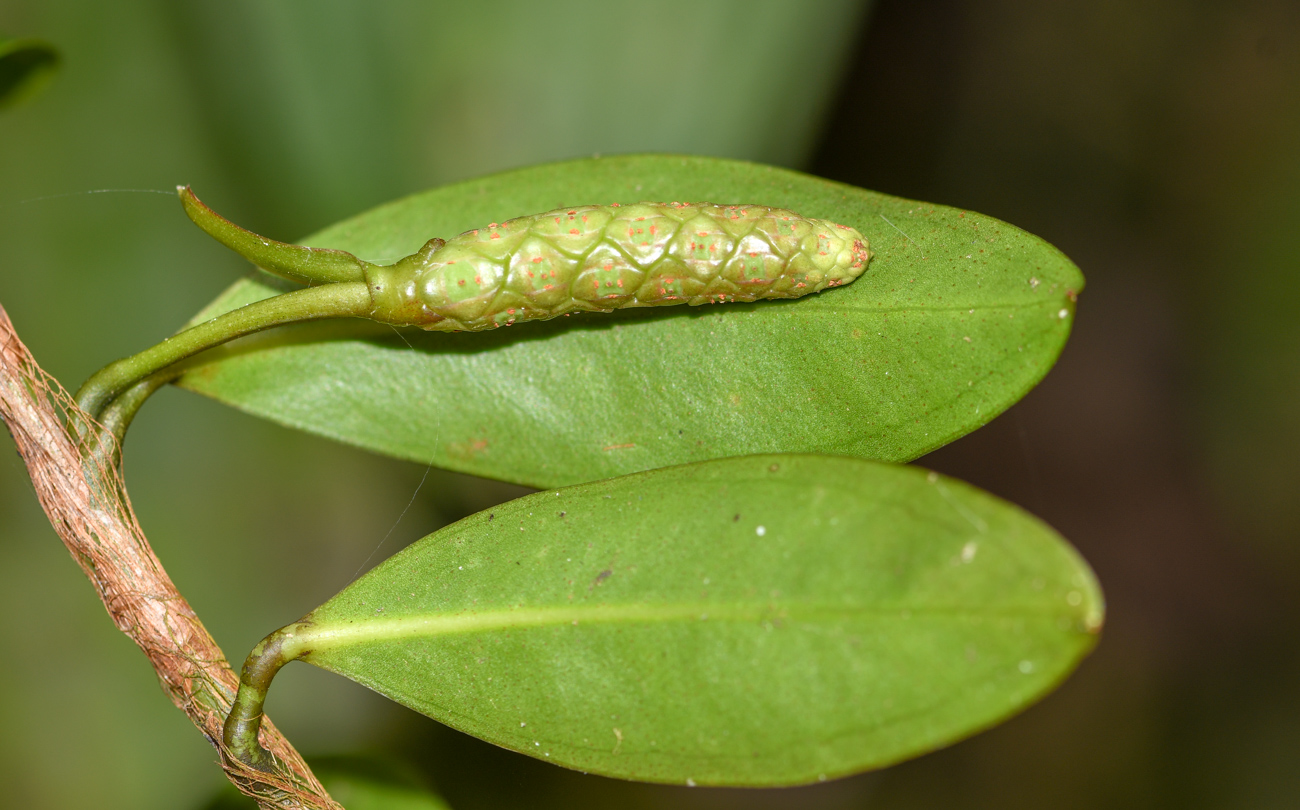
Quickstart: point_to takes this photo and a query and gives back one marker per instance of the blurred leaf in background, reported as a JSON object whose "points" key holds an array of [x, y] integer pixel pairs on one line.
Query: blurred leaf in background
{"points": [[356, 782], [319, 110], [1240, 211], [26, 67]]}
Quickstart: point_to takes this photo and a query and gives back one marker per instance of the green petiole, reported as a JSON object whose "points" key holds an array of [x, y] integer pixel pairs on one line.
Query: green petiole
{"points": [[116, 392], [329, 301], [245, 719]]}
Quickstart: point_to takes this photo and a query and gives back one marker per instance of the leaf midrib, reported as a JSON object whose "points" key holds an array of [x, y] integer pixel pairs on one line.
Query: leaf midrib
{"points": [[332, 633]]}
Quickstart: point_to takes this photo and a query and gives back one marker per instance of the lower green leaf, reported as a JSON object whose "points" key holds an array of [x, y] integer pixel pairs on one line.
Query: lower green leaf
{"points": [[764, 620]]}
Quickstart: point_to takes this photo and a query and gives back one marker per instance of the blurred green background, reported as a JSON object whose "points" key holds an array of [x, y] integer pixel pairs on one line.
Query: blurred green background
{"points": [[1157, 143]]}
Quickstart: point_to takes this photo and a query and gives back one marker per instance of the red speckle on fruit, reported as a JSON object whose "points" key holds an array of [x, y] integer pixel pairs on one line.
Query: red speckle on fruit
{"points": [[574, 231], [495, 236], [478, 280], [537, 260], [461, 282]]}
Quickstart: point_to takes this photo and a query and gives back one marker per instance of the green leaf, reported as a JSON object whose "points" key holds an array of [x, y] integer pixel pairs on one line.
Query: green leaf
{"points": [[957, 316], [26, 66], [372, 784], [764, 620], [358, 783]]}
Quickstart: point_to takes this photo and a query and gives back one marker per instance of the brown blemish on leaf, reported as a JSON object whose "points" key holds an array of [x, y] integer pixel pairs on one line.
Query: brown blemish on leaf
{"points": [[468, 450]]}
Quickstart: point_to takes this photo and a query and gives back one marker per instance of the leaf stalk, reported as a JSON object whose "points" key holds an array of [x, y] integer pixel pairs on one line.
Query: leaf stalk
{"points": [[329, 301]]}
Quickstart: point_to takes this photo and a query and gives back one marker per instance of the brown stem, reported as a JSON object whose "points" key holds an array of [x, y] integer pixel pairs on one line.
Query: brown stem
{"points": [[86, 502]]}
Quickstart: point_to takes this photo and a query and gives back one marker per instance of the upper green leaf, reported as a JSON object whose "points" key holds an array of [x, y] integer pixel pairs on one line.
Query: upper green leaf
{"points": [[765, 620], [957, 317]]}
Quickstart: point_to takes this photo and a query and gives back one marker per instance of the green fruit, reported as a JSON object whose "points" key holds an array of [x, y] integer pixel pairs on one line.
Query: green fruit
{"points": [[599, 258]]}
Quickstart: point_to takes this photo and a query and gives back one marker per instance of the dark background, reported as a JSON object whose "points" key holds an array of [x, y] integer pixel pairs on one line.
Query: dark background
{"points": [[1157, 143]]}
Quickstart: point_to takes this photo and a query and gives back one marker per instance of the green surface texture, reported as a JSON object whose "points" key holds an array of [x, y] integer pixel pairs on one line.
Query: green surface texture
{"points": [[597, 258], [956, 318], [764, 620]]}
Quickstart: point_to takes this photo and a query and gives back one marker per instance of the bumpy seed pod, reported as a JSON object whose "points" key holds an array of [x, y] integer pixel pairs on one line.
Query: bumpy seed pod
{"points": [[589, 258], [603, 257]]}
